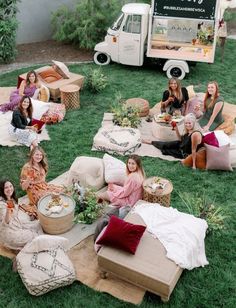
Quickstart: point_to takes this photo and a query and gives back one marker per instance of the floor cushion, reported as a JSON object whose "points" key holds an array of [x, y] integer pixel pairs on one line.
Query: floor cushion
{"points": [[149, 268], [50, 75], [117, 140], [55, 113], [141, 104], [43, 264], [200, 160], [89, 171], [228, 126]]}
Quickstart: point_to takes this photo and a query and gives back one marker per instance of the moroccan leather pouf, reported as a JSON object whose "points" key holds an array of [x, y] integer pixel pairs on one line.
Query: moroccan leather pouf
{"points": [[141, 104]]}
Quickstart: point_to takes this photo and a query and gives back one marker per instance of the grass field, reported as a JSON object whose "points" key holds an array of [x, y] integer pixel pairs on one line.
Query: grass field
{"points": [[212, 286]]}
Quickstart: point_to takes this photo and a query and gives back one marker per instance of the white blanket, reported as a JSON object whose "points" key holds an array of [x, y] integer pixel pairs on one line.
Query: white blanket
{"points": [[181, 234], [6, 139]]}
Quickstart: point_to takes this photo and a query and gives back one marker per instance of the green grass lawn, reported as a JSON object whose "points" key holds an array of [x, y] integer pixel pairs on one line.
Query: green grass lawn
{"points": [[212, 286]]}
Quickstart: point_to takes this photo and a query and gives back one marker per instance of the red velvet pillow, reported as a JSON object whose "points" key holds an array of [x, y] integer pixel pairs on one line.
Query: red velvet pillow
{"points": [[122, 235], [39, 124], [211, 139]]}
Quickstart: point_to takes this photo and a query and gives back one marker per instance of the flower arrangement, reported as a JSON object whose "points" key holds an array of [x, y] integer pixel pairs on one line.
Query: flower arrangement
{"points": [[125, 116], [200, 207], [87, 210], [205, 35]]}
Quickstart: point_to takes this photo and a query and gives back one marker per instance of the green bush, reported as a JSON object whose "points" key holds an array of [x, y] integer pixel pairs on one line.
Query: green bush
{"points": [[8, 27], [96, 81], [87, 24]]}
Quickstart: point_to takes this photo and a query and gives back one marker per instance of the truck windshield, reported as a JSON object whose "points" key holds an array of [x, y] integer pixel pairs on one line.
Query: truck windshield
{"points": [[118, 22]]}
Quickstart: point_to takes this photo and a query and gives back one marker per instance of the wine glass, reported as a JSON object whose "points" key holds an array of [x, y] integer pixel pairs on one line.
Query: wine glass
{"points": [[173, 124]]}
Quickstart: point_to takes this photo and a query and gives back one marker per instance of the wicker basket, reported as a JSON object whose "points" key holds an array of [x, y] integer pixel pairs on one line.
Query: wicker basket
{"points": [[161, 196], [56, 223]]}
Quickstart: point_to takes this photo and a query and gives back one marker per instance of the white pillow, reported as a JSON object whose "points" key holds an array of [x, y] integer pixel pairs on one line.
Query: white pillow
{"points": [[46, 242], [39, 108], [46, 270], [222, 138], [63, 68], [115, 170]]}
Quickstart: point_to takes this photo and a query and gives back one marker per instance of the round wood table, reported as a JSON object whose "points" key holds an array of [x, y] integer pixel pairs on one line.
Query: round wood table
{"points": [[157, 195], [56, 223], [70, 96]]}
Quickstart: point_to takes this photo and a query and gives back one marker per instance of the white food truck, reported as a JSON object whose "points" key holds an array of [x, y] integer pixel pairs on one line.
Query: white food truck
{"points": [[176, 33]]}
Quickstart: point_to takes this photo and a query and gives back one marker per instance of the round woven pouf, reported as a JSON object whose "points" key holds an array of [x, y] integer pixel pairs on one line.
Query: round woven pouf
{"points": [[70, 96], [139, 103]]}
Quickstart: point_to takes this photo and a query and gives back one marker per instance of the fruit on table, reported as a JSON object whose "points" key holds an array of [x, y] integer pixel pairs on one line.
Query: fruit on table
{"points": [[167, 118]]}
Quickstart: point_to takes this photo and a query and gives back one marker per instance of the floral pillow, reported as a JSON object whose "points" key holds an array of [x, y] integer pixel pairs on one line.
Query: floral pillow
{"points": [[55, 114]]}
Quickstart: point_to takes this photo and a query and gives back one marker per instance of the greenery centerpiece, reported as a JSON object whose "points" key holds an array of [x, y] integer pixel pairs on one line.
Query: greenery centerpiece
{"points": [[87, 210], [201, 207], [124, 115]]}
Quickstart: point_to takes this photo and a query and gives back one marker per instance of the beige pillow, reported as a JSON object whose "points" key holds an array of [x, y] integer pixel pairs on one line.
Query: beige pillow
{"points": [[115, 170], [191, 92], [89, 171], [44, 94], [62, 69], [46, 269], [218, 158]]}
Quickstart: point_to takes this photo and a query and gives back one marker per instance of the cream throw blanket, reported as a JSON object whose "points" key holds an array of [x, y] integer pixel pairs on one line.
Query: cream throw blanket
{"points": [[181, 234]]}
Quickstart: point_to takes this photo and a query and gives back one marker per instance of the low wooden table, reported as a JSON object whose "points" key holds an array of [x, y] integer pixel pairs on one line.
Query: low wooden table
{"points": [[56, 223], [161, 196], [70, 96]]}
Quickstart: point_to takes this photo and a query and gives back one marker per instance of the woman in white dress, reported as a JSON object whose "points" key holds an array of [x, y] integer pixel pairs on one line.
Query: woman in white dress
{"points": [[21, 125], [16, 229]]}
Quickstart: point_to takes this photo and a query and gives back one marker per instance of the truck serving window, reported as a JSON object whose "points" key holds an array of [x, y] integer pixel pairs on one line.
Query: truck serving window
{"points": [[118, 22], [133, 24]]}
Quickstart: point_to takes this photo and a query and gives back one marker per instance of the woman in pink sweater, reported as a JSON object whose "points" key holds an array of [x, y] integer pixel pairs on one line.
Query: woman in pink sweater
{"points": [[132, 190]]}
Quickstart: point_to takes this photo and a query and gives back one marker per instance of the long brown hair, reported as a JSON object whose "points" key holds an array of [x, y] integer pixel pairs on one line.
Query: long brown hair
{"points": [[29, 109], [178, 93], [137, 159], [28, 75], [43, 163], [207, 95], [2, 194]]}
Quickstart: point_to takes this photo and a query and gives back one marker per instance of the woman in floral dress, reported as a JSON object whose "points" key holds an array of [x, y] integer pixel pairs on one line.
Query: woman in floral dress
{"points": [[33, 177]]}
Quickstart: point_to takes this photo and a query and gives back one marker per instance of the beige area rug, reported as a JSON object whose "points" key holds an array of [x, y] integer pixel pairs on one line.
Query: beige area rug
{"points": [[84, 259], [5, 94]]}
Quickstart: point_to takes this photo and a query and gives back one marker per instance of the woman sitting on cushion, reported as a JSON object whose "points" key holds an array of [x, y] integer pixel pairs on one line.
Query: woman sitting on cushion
{"points": [[27, 88], [132, 190], [33, 177], [16, 229], [175, 98], [21, 128], [213, 107], [190, 143]]}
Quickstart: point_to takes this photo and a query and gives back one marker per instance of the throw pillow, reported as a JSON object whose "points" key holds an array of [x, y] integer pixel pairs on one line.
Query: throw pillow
{"points": [[211, 139], [218, 158], [62, 69], [115, 170], [200, 160], [50, 75], [222, 138], [44, 94], [122, 235], [89, 171], [39, 108], [44, 265], [191, 92]]}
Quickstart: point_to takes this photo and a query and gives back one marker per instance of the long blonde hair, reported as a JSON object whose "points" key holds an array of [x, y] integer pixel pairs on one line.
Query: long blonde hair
{"points": [[207, 95], [191, 118], [178, 93], [43, 163]]}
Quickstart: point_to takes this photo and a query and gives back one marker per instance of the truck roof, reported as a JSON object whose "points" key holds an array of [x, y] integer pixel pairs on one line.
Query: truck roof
{"points": [[136, 8]]}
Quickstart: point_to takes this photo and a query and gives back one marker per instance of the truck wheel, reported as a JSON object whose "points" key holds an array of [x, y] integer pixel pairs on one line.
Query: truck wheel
{"points": [[176, 72], [101, 58]]}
